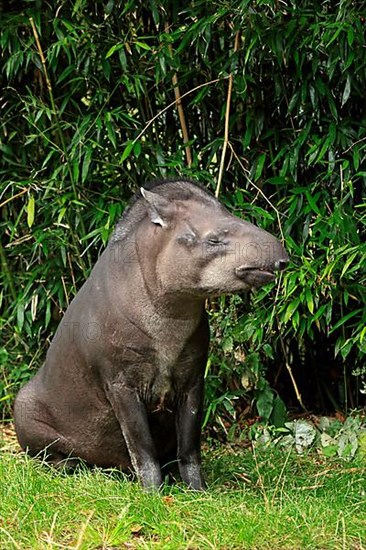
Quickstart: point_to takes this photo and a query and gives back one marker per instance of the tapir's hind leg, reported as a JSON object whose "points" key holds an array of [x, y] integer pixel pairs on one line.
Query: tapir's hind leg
{"points": [[35, 433]]}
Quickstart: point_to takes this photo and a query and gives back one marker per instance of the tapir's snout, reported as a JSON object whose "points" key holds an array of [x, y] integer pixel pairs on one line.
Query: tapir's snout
{"points": [[265, 272]]}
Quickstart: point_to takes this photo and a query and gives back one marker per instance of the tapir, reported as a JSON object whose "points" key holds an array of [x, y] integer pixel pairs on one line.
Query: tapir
{"points": [[123, 381]]}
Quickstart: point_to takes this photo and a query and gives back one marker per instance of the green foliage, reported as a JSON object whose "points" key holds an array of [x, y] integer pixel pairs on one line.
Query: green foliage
{"points": [[72, 153]]}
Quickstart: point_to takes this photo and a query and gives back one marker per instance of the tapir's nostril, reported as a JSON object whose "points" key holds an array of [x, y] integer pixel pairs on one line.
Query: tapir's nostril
{"points": [[280, 265]]}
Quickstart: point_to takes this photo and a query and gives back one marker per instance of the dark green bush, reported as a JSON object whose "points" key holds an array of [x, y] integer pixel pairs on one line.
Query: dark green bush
{"points": [[73, 151]]}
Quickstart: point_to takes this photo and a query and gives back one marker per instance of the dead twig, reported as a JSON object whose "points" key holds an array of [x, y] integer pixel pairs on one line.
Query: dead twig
{"points": [[289, 370], [14, 197], [246, 172]]}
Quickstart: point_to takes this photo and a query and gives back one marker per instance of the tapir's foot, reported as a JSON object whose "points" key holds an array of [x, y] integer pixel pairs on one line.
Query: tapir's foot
{"points": [[149, 475], [192, 476]]}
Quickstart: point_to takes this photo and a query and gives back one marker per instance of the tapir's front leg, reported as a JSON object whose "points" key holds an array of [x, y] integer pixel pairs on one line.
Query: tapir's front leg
{"points": [[189, 419], [132, 417]]}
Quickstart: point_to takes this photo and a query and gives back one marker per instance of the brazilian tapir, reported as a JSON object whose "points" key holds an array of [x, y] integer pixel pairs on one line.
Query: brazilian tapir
{"points": [[122, 384]]}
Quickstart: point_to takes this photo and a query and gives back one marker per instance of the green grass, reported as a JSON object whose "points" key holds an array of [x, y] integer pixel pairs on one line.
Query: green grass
{"points": [[266, 500]]}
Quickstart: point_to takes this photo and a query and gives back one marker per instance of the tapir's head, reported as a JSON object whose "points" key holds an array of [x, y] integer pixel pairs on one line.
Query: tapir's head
{"points": [[200, 248]]}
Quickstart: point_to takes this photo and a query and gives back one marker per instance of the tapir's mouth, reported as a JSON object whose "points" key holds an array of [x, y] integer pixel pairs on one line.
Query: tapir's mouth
{"points": [[254, 276]]}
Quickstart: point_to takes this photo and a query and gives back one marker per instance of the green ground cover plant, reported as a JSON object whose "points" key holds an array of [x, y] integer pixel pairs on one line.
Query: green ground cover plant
{"points": [[257, 499], [88, 114]]}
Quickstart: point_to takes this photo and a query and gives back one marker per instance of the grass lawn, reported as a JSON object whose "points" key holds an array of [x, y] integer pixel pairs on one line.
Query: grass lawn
{"points": [[262, 500]]}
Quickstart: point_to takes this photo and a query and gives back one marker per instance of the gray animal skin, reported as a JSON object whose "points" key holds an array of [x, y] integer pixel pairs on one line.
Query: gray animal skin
{"points": [[122, 384]]}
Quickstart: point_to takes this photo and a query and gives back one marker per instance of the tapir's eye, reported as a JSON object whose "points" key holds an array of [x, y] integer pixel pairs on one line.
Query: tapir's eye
{"points": [[213, 240]]}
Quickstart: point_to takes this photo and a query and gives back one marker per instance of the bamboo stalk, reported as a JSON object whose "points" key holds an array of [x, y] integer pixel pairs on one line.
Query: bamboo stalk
{"points": [[170, 105], [227, 122], [43, 60], [182, 118]]}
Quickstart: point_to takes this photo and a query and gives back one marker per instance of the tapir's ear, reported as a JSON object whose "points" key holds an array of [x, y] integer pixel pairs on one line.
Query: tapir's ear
{"points": [[160, 209]]}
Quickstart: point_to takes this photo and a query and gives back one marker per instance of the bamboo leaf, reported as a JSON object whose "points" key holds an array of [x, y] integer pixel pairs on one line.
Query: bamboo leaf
{"points": [[30, 211], [345, 319], [127, 151], [312, 202], [143, 45], [309, 300], [113, 49], [347, 90], [20, 315], [86, 164], [290, 310], [259, 167], [350, 35], [348, 263]]}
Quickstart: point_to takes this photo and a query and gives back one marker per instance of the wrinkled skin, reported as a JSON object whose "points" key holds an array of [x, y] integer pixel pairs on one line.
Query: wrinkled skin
{"points": [[122, 384]]}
